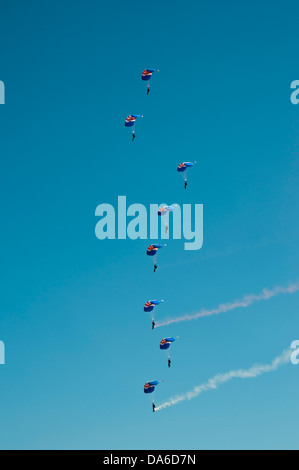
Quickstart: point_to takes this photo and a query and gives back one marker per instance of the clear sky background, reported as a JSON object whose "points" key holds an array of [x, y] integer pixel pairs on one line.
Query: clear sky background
{"points": [[78, 345]]}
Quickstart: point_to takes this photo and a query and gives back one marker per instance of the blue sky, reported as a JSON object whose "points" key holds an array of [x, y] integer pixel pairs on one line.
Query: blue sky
{"points": [[78, 345]]}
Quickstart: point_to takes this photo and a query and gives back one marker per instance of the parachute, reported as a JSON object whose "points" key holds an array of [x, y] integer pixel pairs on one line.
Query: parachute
{"points": [[150, 305], [130, 121], [166, 342], [149, 387], [164, 209], [153, 249], [183, 166], [147, 74]]}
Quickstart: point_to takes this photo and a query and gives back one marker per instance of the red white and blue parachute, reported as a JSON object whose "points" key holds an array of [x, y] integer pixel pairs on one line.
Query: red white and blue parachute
{"points": [[149, 387], [164, 209], [150, 305], [184, 166], [130, 121], [166, 342], [153, 249], [147, 74]]}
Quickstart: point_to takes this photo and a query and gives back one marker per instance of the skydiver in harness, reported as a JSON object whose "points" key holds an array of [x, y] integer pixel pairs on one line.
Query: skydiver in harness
{"points": [[169, 361], [155, 267], [148, 89], [154, 407], [153, 324], [185, 184], [166, 228], [133, 136]]}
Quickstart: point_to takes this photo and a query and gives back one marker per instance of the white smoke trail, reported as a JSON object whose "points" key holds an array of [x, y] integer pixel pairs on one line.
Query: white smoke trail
{"points": [[245, 302], [213, 383]]}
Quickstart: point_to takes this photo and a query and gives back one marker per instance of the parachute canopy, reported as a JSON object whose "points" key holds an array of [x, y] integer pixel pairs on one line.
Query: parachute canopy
{"points": [[163, 210], [147, 74], [165, 343], [150, 305], [152, 249], [130, 121], [183, 166], [149, 387]]}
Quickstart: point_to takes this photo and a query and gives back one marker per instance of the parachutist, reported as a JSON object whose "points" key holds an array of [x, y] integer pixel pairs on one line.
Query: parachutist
{"points": [[183, 168], [155, 268], [149, 387], [147, 75], [153, 324], [130, 122], [166, 228], [165, 344]]}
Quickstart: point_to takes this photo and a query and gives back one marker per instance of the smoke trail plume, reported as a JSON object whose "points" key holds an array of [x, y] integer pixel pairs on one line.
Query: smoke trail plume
{"points": [[213, 383], [245, 302]]}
